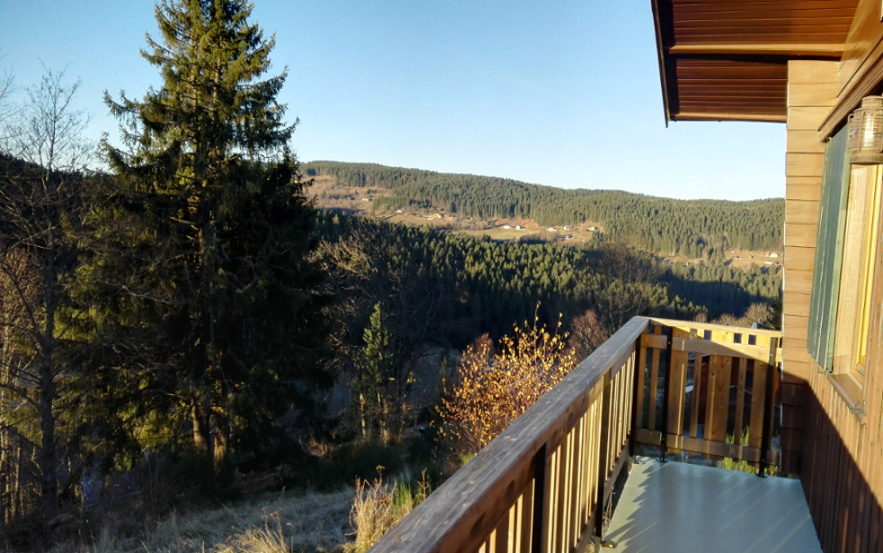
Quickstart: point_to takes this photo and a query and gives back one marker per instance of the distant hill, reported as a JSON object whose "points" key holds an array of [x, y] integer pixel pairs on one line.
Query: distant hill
{"points": [[692, 228]]}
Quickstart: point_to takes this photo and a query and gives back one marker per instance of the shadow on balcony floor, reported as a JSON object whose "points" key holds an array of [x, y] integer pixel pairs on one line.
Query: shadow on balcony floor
{"points": [[675, 507]]}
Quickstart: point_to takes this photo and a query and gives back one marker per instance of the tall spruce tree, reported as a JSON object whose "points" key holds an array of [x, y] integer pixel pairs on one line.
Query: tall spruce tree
{"points": [[211, 265]]}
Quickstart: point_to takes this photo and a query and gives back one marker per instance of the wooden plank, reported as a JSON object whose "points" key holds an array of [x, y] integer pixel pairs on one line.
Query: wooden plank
{"points": [[758, 401], [794, 394], [640, 377], [798, 281], [801, 235], [804, 142], [799, 258], [706, 347], [694, 325], [812, 72], [718, 398], [722, 449], [812, 95], [803, 188], [649, 437], [698, 386], [525, 524], [654, 387], [804, 165], [864, 34], [796, 370], [500, 541], [801, 212], [741, 365], [577, 483], [806, 119], [795, 324], [678, 376], [798, 302]]}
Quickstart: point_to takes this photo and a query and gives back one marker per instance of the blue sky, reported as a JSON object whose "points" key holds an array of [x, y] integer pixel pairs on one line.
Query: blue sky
{"points": [[563, 93]]}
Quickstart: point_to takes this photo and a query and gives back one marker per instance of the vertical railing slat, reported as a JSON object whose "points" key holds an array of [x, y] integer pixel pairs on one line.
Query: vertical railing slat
{"points": [[741, 366], [603, 447], [525, 524], [654, 383]]}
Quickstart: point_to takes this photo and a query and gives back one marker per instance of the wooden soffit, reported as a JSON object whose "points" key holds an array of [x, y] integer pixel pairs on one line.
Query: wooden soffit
{"points": [[728, 60]]}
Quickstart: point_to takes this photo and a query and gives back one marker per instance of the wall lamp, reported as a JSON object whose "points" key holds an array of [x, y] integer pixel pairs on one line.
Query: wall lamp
{"points": [[865, 141]]}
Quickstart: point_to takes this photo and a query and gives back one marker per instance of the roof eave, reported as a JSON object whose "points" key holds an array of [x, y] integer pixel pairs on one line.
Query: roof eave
{"points": [[660, 51]]}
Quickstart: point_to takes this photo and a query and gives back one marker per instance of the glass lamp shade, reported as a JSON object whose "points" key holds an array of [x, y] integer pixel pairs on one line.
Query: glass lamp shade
{"points": [[865, 140]]}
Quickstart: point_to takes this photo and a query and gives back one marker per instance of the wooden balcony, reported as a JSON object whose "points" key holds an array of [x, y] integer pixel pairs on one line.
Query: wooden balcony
{"points": [[546, 483]]}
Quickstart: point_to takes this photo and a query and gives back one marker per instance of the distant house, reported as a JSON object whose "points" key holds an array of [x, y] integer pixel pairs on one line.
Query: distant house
{"points": [[398, 211], [552, 229], [773, 255], [507, 227], [567, 227], [593, 229], [519, 227]]}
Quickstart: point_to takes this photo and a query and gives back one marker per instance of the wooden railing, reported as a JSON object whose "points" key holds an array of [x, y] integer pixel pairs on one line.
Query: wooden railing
{"points": [[543, 483], [722, 384]]}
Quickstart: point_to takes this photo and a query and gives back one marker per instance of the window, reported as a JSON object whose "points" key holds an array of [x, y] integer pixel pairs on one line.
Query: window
{"points": [[843, 276], [856, 281], [829, 249]]}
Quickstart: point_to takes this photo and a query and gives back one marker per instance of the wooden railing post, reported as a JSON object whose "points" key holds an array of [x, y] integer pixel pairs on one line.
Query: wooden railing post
{"points": [[603, 455], [769, 405], [540, 528], [666, 393], [637, 394]]}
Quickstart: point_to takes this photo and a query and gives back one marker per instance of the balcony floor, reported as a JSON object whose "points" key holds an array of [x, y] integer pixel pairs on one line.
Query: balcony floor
{"points": [[675, 507]]}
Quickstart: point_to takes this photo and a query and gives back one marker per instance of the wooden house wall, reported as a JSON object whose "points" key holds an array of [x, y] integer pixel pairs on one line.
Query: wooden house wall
{"points": [[841, 460], [812, 87]]}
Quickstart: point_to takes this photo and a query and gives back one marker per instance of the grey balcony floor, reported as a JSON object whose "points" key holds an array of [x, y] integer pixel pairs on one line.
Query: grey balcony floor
{"points": [[679, 508]]}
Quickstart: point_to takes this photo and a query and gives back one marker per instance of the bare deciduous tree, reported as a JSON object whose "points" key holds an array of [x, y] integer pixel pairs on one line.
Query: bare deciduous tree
{"points": [[40, 204]]}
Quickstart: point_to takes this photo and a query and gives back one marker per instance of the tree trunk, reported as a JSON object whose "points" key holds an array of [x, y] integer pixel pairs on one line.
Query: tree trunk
{"points": [[48, 453], [202, 436], [48, 458]]}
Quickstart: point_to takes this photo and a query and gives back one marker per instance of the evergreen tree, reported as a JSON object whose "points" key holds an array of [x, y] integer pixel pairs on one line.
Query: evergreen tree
{"points": [[375, 369], [214, 256]]}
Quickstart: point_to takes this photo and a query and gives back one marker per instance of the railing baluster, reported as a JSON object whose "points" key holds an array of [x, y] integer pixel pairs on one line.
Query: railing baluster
{"points": [[653, 402], [639, 371], [540, 505], [666, 392], [603, 456], [525, 518], [695, 405], [768, 407]]}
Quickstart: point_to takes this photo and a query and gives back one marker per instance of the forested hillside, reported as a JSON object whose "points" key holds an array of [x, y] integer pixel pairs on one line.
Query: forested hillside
{"points": [[661, 225], [483, 285]]}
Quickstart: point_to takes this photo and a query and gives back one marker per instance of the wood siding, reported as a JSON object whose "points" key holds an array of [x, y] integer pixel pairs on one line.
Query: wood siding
{"points": [[812, 89], [862, 68], [724, 60], [841, 449]]}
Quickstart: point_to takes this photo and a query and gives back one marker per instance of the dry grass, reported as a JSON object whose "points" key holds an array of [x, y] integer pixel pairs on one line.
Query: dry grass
{"points": [[285, 522], [378, 507]]}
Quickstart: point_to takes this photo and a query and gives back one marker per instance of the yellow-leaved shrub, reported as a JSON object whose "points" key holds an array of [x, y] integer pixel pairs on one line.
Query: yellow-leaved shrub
{"points": [[491, 389]]}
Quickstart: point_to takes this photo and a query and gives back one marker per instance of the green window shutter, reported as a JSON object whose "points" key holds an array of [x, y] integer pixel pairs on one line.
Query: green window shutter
{"points": [[829, 252]]}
